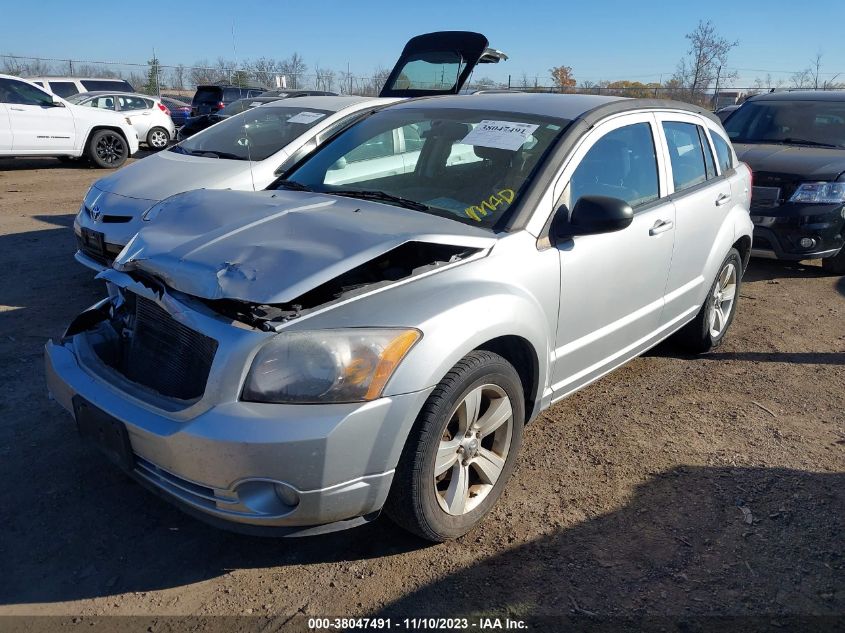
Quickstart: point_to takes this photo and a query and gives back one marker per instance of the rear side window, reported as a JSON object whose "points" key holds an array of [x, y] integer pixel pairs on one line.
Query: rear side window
{"points": [[63, 88], [686, 154], [231, 94], [132, 103], [106, 84], [723, 152], [622, 164]]}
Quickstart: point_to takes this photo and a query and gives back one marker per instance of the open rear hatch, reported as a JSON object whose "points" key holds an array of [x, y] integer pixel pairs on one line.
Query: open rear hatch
{"points": [[438, 63]]}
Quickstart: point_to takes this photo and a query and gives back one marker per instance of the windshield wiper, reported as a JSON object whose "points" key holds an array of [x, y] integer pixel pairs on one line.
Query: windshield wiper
{"points": [[292, 185], [801, 141], [380, 196], [179, 149], [206, 152]]}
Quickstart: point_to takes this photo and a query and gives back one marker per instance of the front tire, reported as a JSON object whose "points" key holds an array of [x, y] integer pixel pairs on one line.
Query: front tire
{"points": [[158, 138], [461, 451], [835, 265], [708, 329], [107, 149]]}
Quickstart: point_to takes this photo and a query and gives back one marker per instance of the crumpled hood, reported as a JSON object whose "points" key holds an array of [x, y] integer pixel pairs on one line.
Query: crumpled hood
{"points": [[167, 173], [270, 247], [804, 163]]}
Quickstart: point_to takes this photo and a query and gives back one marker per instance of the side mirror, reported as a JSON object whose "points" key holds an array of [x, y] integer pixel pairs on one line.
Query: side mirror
{"points": [[56, 102], [592, 215]]}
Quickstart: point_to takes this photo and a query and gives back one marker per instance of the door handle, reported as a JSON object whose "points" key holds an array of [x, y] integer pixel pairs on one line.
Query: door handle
{"points": [[146, 113], [661, 226], [16, 109], [722, 199]]}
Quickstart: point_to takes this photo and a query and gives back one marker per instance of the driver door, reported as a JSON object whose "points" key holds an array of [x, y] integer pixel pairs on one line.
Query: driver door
{"points": [[612, 284], [38, 125]]}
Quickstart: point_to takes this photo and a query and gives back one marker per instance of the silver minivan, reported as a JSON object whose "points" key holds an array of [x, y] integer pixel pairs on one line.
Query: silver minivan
{"points": [[298, 359]]}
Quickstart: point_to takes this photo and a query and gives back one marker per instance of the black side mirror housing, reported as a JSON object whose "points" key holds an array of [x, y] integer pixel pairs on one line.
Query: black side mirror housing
{"points": [[592, 215]]}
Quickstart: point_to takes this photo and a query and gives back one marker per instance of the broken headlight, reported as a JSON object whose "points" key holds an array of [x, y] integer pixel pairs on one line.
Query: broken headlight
{"points": [[344, 365]]}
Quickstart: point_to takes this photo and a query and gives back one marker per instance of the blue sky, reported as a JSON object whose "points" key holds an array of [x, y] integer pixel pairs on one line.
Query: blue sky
{"points": [[639, 40]]}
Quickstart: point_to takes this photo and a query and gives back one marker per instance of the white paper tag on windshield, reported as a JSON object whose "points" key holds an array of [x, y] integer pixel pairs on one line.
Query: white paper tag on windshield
{"points": [[254, 104], [306, 117], [500, 134]]}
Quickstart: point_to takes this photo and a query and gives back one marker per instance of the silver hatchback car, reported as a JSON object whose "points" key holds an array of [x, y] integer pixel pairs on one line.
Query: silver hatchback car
{"points": [[376, 331]]}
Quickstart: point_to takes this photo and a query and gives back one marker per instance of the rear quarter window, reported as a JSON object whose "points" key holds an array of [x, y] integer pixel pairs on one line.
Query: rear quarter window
{"points": [[723, 152]]}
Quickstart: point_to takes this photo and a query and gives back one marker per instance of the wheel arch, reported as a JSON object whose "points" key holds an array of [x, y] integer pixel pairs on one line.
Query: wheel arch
{"points": [[743, 245], [520, 353], [111, 128]]}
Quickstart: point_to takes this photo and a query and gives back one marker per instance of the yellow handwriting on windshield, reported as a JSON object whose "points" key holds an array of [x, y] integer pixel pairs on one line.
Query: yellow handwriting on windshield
{"points": [[485, 207]]}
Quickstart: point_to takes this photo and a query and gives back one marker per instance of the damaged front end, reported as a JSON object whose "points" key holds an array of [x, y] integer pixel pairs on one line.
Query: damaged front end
{"points": [[408, 260]]}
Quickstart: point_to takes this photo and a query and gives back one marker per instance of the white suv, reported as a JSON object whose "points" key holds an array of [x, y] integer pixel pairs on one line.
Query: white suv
{"points": [[36, 123]]}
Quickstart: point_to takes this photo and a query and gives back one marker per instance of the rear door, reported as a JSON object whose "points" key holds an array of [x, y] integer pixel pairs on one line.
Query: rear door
{"points": [[438, 63], [37, 124], [702, 201], [138, 111]]}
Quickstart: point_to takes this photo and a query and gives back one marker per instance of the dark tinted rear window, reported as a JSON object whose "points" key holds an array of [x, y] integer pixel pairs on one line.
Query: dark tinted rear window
{"points": [[63, 88], [107, 84], [210, 94]]}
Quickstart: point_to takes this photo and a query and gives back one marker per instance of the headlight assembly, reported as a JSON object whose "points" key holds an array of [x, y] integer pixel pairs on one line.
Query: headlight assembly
{"points": [[343, 365], [820, 193]]}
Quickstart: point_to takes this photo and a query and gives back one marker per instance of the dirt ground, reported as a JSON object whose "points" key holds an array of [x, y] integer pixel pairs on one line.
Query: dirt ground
{"points": [[676, 486]]}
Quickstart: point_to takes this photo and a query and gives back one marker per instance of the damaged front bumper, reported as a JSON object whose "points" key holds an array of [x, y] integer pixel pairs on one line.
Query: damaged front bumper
{"points": [[798, 231], [253, 467]]}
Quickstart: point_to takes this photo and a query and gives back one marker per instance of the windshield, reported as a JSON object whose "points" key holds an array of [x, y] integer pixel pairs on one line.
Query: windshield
{"points": [[78, 98], [253, 135], [810, 122], [467, 165]]}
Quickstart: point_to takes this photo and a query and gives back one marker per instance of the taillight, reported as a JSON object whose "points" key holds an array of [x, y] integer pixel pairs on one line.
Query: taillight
{"points": [[164, 109], [221, 105]]}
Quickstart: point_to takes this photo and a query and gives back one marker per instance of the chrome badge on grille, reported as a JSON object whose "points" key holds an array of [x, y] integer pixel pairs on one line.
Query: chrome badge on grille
{"points": [[96, 214]]}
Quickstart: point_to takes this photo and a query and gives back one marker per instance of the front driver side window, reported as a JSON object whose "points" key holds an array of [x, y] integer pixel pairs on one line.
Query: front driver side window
{"points": [[22, 93], [622, 164]]}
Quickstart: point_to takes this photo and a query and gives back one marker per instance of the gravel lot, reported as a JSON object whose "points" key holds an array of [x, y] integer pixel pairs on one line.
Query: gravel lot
{"points": [[674, 487]]}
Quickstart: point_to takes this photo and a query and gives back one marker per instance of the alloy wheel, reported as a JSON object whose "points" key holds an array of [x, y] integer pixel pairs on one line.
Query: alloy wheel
{"points": [[473, 449], [110, 148], [724, 295]]}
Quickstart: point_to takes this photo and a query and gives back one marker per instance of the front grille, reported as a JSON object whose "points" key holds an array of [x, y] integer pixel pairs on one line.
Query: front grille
{"points": [[167, 356]]}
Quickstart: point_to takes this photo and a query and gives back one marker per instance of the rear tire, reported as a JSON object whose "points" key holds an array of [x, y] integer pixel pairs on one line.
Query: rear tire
{"points": [[835, 265], [158, 138], [470, 430], [107, 149], [707, 330]]}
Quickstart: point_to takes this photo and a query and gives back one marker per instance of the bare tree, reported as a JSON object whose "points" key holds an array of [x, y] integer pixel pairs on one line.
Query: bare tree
{"points": [[346, 82], [203, 73], [324, 78], [524, 82], [705, 61], [177, 77], [26, 67], [294, 68], [264, 70]]}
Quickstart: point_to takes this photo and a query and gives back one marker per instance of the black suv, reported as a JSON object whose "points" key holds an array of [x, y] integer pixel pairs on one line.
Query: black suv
{"points": [[210, 99], [794, 142]]}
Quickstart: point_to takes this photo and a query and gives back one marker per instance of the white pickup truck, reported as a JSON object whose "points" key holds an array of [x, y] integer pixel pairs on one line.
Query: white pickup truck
{"points": [[36, 123]]}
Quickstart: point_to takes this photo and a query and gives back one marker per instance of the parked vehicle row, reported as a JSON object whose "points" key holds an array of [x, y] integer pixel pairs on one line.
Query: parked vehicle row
{"points": [[794, 142], [34, 122], [396, 290]]}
